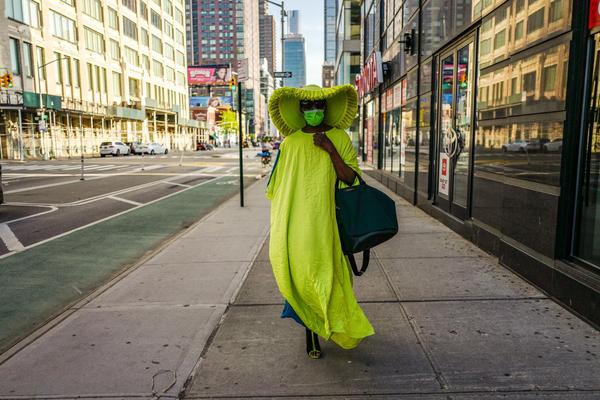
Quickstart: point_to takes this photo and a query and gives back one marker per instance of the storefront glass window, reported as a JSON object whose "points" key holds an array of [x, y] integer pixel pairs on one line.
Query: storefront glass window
{"points": [[408, 143], [424, 141], [588, 240]]}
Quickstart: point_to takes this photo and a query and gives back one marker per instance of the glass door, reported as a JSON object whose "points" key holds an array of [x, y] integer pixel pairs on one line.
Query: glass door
{"points": [[455, 128]]}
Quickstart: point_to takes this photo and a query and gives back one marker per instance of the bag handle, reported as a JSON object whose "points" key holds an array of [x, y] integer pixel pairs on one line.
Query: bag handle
{"points": [[365, 262], [361, 181]]}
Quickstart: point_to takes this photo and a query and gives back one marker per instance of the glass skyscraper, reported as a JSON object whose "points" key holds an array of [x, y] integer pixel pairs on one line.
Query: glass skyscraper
{"points": [[330, 8], [295, 60], [293, 21]]}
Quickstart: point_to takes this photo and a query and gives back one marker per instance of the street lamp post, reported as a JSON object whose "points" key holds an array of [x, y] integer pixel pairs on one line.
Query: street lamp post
{"points": [[283, 15]]}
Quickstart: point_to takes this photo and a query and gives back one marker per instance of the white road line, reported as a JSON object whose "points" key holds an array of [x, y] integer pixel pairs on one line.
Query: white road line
{"points": [[135, 203], [211, 169], [9, 239], [151, 167], [177, 184]]}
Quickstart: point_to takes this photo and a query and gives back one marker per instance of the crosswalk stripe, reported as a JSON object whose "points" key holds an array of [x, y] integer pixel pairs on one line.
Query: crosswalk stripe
{"points": [[9, 238]]}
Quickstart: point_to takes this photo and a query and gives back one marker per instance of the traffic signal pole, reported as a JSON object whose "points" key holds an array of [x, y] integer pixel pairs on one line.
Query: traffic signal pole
{"points": [[240, 144]]}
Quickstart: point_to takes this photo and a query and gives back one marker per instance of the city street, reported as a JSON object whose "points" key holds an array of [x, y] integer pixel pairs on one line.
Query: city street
{"points": [[65, 237]]}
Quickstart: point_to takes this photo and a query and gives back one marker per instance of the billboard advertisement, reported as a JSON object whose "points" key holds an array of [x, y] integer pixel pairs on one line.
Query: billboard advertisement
{"points": [[210, 109], [218, 74]]}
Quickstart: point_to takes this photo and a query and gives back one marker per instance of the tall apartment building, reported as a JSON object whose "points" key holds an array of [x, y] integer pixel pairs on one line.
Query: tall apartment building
{"points": [[224, 32], [103, 70], [347, 58], [268, 43], [328, 74], [295, 60]]}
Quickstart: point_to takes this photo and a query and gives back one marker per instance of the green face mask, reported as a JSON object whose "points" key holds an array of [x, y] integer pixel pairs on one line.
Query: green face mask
{"points": [[314, 117]]}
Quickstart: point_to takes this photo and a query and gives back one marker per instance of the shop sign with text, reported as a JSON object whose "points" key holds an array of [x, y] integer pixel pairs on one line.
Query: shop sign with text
{"points": [[370, 75], [444, 178]]}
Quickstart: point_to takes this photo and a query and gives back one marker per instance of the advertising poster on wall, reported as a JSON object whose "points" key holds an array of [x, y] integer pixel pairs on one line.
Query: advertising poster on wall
{"points": [[444, 175], [214, 75], [209, 109]]}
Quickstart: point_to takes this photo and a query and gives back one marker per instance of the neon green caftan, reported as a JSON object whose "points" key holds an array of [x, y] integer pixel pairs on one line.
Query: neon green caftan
{"points": [[312, 272]]}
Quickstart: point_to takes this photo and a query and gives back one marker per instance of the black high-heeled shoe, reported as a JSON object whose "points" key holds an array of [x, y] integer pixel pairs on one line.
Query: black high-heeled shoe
{"points": [[313, 348]]}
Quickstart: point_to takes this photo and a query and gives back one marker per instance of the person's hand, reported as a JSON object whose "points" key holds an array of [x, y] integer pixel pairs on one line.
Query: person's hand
{"points": [[321, 140]]}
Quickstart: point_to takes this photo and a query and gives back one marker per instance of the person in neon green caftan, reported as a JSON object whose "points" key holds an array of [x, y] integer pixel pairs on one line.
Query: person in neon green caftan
{"points": [[312, 273]]}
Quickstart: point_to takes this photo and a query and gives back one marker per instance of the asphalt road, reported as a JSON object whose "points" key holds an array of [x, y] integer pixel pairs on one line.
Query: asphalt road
{"points": [[47, 199]]}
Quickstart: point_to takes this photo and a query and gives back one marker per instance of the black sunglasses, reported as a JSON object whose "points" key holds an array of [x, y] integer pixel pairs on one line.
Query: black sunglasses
{"points": [[313, 103]]}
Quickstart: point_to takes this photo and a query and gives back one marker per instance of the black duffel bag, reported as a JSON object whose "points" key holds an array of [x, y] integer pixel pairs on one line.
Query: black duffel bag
{"points": [[366, 217]]}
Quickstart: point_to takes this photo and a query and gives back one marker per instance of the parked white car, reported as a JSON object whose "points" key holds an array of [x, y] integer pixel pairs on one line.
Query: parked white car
{"points": [[518, 146], [555, 145], [154, 148], [113, 148]]}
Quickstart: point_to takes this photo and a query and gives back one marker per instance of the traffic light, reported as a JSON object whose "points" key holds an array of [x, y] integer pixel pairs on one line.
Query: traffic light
{"points": [[6, 80], [233, 82]]}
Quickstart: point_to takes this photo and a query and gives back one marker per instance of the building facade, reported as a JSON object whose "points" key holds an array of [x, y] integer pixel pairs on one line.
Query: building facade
{"points": [[329, 21], [225, 32], [101, 70], [295, 60], [483, 114], [293, 22], [268, 43], [328, 75], [347, 34]]}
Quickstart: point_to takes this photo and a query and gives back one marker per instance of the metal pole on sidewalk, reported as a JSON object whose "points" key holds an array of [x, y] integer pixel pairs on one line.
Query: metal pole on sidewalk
{"points": [[81, 145], [20, 136], [240, 144]]}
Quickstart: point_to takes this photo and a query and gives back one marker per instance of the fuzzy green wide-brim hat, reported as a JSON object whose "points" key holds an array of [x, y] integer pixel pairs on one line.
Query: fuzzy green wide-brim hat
{"points": [[284, 106]]}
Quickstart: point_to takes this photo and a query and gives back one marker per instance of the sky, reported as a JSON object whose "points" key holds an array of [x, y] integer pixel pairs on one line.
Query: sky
{"points": [[311, 26]]}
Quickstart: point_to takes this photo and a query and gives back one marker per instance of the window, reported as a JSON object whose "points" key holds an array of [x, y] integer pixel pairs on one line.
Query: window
{"points": [[168, 7], [15, 59], [550, 78], [486, 46], [535, 21], [519, 30], [500, 39], [90, 71], [146, 61], [134, 87], [63, 27], [157, 69], [130, 28], [132, 56], [156, 20], [170, 74], [180, 58], [59, 70], [113, 19], [67, 69], [145, 37], [94, 41], [115, 50], [169, 29], [169, 52], [131, 4], [25, 11], [178, 16], [76, 77], [104, 81], [117, 85], [93, 8], [27, 60], [529, 82], [556, 10], [156, 44], [144, 10], [41, 60], [179, 38]]}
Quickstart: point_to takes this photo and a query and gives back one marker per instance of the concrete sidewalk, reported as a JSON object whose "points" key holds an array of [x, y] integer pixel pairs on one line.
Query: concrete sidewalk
{"points": [[451, 324], [144, 333]]}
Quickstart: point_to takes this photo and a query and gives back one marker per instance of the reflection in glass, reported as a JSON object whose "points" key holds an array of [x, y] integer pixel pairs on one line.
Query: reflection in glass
{"points": [[588, 244], [464, 87], [424, 141], [408, 143], [446, 105]]}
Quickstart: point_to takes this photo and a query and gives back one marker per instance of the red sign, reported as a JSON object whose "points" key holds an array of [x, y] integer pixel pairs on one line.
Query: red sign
{"points": [[594, 20], [370, 75]]}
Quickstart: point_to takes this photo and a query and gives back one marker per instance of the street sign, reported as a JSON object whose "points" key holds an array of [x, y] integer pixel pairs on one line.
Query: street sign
{"points": [[242, 70], [282, 74]]}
